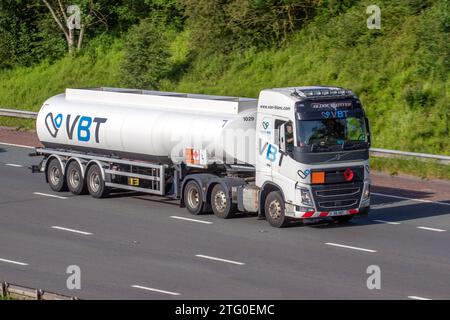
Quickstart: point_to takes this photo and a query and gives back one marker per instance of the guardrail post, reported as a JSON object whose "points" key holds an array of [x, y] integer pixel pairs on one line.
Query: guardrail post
{"points": [[4, 293], [39, 294]]}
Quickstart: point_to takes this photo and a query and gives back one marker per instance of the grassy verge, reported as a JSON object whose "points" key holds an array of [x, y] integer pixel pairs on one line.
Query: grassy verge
{"points": [[425, 169], [27, 88], [17, 123]]}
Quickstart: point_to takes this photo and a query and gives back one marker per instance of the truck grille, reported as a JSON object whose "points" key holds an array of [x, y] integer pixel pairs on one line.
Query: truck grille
{"points": [[338, 192], [337, 197], [338, 204]]}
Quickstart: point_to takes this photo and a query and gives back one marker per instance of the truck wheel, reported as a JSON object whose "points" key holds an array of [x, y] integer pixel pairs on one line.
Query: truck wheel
{"points": [[193, 197], [221, 203], [74, 178], [343, 219], [95, 183], [275, 208], [55, 176]]}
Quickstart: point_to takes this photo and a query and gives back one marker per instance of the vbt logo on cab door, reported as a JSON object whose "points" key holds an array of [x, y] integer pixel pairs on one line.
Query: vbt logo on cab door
{"points": [[268, 151], [84, 126]]}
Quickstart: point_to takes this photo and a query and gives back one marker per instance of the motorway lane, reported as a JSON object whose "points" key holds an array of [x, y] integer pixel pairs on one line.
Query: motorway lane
{"points": [[135, 242], [159, 247]]}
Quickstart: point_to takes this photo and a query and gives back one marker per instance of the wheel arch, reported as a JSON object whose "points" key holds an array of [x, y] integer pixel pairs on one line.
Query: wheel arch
{"points": [[226, 182], [267, 188], [201, 179], [99, 164], [61, 161], [207, 181], [80, 163]]}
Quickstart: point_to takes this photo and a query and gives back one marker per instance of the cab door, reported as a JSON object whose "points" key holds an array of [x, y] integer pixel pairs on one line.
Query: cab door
{"points": [[266, 150], [284, 169]]}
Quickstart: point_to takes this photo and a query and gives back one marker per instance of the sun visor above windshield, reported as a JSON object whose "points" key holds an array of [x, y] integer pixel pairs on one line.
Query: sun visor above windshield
{"points": [[328, 109]]}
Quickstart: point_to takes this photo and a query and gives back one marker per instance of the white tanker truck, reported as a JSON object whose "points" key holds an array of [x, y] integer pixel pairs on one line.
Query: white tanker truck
{"points": [[294, 153]]}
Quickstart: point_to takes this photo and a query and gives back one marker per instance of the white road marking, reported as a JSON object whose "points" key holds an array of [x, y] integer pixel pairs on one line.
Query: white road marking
{"points": [[219, 259], [431, 229], [390, 205], [387, 222], [418, 298], [49, 195], [13, 165], [349, 247], [14, 262], [16, 145], [156, 290], [413, 199], [192, 220], [72, 230]]}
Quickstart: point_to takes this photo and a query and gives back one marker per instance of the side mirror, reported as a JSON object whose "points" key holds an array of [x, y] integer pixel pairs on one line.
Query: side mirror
{"points": [[369, 138]]}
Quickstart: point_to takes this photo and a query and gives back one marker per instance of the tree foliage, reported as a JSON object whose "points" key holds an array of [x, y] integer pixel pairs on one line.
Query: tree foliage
{"points": [[17, 27], [147, 55], [29, 32], [227, 25], [32, 30]]}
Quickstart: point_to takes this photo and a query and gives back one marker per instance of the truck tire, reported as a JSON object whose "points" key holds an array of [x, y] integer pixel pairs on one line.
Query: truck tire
{"points": [[55, 176], [221, 203], [193, 197], [95, 183], [274, 208], [75, 180], [343, 219]]}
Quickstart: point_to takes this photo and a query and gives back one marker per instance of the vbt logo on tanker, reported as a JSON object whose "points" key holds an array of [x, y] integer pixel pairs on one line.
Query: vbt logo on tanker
{"points": [[85, 127]]}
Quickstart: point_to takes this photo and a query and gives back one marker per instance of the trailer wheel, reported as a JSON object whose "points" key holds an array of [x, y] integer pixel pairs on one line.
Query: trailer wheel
{"points": [[74, 179], [221, 203], [193, 197], [95, 183], [55, 176], [343, 219], [274, 208]]}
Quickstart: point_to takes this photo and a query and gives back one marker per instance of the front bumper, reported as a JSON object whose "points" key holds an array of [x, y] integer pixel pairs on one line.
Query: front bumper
{"points": [[333, 200], [336, 213]]}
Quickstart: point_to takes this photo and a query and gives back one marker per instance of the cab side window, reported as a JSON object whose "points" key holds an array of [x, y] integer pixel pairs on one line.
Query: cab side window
{"points": [[289, 136], [278, 138], [284, 134]]}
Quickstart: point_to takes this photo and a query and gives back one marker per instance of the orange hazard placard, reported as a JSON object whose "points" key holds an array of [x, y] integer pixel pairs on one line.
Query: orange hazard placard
{"points": [[318, 177], [188, 155], [196, 156]]}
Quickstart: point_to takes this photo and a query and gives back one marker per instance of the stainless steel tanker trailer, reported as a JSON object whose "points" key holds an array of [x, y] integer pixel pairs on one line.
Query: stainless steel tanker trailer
{"points": [[294, 153]]}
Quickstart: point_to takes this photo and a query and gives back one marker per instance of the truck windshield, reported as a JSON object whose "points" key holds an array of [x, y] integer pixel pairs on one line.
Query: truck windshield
{"points": [[332, 134]]}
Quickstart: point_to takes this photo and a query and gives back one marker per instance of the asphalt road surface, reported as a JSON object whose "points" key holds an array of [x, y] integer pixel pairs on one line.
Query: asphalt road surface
{"points": [[133, 246]]}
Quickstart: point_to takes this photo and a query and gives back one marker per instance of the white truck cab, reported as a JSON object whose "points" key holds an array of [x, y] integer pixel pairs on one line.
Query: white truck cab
{"points": [[313, 147]]}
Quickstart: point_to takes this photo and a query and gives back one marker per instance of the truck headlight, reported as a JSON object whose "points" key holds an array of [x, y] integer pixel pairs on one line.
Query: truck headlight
{"points": [[366, 192], [306, 197]]}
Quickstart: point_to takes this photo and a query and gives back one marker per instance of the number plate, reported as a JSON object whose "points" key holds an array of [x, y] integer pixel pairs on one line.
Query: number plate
{"points": [[337, 213], [133, 182]]}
